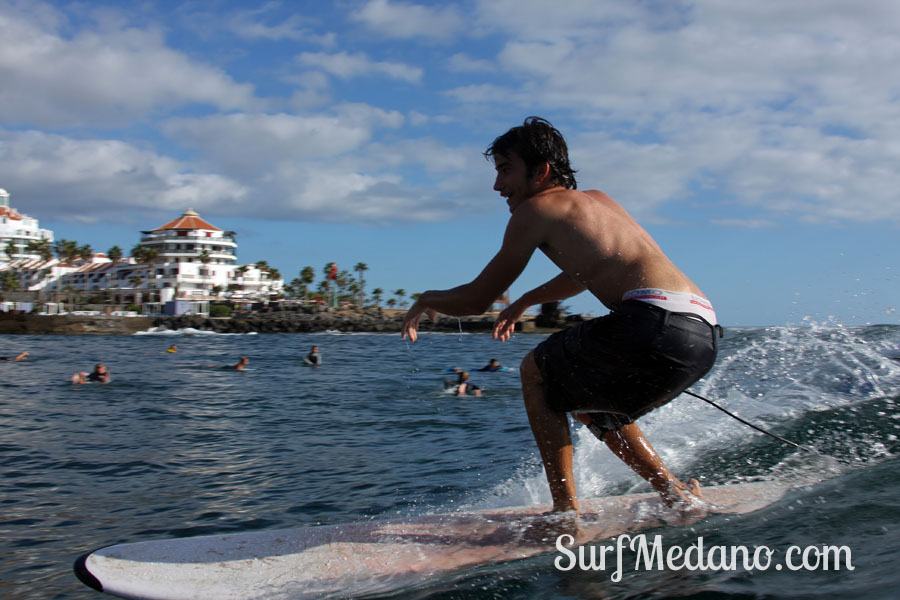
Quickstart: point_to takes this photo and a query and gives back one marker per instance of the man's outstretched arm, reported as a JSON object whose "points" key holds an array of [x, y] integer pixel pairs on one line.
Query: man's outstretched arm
{"points": [[559, 288], [524, 233]]}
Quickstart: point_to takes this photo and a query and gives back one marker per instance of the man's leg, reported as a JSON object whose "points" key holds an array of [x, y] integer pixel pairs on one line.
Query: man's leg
{"points": [[630, 444], [551, 432]]}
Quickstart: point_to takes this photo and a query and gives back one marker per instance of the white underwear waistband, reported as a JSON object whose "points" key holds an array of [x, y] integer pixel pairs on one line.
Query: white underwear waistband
{"points": [[679, 302]]}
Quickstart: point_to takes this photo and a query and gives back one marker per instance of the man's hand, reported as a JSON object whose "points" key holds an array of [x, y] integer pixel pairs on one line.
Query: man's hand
{"points": [[506, 321], [410, 325]]}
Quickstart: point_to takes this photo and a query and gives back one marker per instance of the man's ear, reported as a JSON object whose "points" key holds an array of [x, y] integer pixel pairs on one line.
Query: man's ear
{"points": [[542, 174]]}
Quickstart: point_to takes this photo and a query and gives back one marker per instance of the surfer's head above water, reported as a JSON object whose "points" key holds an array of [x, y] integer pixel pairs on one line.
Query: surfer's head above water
{"points": [[536, 142]]}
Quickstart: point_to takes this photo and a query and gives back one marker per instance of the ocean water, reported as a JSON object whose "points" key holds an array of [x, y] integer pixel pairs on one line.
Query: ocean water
{"points": [[172, 448]]}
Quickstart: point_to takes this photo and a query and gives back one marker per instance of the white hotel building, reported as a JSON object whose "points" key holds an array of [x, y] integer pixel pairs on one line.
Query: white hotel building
{"points": [[194, 260], [193, 257], [18, 229]]}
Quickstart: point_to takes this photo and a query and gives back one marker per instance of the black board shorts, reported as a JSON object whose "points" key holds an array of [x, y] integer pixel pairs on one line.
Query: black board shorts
{"points": [[623, 365]]}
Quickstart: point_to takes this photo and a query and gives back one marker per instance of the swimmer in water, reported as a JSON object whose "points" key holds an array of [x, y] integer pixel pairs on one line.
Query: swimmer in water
{"points": [[313, 358], [238, 367], [494, 365], [100, 374], [465, 386]]}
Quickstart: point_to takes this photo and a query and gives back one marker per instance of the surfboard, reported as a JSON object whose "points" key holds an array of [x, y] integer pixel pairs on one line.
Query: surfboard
{"points": [[373, 557]]}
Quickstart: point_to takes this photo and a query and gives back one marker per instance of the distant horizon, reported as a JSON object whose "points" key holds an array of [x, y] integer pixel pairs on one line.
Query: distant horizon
{"points": [[756, 142]]}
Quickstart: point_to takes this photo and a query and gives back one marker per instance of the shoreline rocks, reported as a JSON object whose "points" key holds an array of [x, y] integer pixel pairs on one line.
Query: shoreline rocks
{"points": [[28, 324], [310, 321], [301, 320]]}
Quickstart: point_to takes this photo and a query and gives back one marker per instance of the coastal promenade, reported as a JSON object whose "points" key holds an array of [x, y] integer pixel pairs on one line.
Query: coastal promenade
{"points": [[374, 320]]}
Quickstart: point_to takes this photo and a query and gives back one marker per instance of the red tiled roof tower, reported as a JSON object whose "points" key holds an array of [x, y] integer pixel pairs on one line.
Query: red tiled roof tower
{"points": [[188, 220]]}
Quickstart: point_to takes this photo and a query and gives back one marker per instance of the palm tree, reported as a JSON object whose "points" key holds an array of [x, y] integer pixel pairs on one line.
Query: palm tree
{"points": [[204, 256], [343, 282], [294, 289], [66, 250], [9, 281], [376, 296], [401, 293], [146, 256], [324, 288], [85, 252], [11, 249], [41, 248], [114, 254], [361, 268], [307, 277]]}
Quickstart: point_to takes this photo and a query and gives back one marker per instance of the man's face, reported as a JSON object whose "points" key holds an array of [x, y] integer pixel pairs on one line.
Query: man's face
{"points": [[512, 180]]}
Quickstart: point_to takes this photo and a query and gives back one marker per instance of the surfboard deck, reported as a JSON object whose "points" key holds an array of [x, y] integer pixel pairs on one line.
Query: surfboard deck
{"points": [[373, 557]]}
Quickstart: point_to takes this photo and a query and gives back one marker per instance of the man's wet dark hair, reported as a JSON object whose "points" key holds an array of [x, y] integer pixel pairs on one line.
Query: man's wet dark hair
{"points": [[536, 142]]}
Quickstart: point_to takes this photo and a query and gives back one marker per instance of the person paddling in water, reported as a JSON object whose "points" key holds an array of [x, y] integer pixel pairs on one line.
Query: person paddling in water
{"points": [[313, 358], [493, 365], [241, 364], [100, 374], [658, 339], [465, 386]]}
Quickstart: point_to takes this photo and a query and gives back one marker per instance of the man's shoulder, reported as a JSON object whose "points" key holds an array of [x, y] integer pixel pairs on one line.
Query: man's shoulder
{"points": [[560, 201]]}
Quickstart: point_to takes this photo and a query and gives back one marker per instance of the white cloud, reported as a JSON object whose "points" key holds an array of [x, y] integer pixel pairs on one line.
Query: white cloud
{"points": [[97, 180], [107, 180], [780, 111], [351, 65], [250, 24], [402, 20], [463, 63], [56, 81], [245, 143], [787, 106]]}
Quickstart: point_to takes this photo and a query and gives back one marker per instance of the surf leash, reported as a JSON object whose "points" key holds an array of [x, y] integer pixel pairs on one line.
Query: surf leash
{"points": [[749, 424]]}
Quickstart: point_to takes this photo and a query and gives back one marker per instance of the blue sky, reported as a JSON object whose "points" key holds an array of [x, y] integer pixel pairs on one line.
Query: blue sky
{"points": [[757, 141]]}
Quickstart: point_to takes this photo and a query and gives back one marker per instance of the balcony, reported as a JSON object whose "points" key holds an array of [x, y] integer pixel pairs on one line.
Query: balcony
{"points": [[193, 237]]}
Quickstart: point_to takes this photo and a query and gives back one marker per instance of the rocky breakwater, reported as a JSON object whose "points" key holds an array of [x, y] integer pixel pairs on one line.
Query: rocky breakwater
{"points": [[29, 324], [316, 319]]}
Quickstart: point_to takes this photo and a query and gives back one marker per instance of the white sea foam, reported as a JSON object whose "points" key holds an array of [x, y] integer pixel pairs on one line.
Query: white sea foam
{"points": [[187, 331], [768, 376]]}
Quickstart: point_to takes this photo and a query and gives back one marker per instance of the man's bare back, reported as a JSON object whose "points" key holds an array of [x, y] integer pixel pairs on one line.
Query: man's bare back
{"points": [[592, 239]]}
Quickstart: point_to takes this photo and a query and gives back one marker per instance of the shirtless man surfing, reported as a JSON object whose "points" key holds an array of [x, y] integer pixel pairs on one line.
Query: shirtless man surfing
{"points": [[659, 338]]}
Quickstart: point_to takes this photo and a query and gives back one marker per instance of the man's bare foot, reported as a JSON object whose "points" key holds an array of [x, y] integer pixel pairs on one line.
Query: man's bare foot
{"points": [[686, 499], [693, 486]]}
